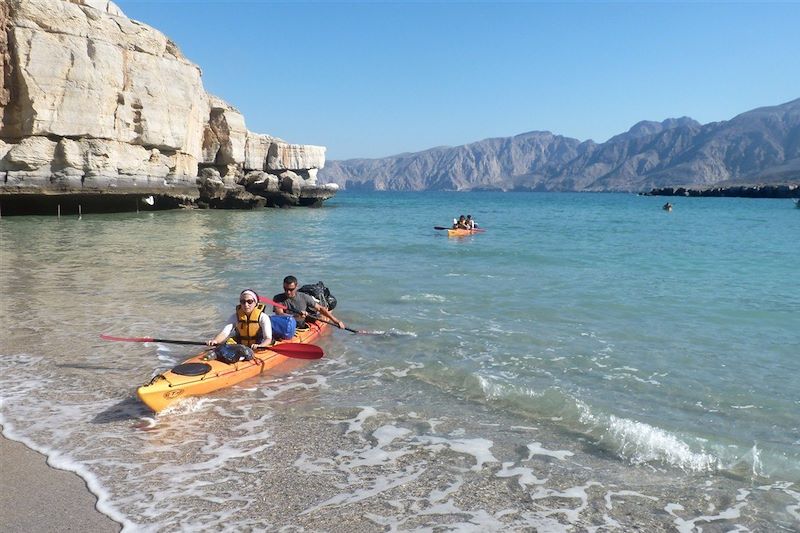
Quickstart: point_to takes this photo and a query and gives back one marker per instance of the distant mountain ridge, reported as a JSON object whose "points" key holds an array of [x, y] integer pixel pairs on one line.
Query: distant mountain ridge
{"points": [[758, 146]]}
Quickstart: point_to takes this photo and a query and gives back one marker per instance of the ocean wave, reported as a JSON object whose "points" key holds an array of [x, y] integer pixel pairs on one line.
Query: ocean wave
{"points": [[423, 296], [392, 332], [642, 443], [635, 442]]}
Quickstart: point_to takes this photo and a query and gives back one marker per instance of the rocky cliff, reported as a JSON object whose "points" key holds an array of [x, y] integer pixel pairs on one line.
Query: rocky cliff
{"points": [[104, 109], [759, 146]]}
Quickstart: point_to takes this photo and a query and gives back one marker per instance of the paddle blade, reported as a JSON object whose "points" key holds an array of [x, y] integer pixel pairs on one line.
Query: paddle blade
{"points": [[439, 227], [298, 350]]}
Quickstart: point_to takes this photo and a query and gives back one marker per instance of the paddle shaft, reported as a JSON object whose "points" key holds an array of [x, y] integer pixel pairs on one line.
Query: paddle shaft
{"points": [[315, 317], [151, 339], [289, 349]]}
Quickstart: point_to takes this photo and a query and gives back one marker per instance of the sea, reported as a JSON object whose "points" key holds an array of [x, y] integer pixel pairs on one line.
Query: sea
{"points": [[590, 362]]}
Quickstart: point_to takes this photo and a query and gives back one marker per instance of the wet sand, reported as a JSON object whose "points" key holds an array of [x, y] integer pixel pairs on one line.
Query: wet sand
{"points": [[36, 497]]}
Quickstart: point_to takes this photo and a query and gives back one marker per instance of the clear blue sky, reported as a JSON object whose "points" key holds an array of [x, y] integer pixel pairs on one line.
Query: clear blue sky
{"points": [[372, 79]]}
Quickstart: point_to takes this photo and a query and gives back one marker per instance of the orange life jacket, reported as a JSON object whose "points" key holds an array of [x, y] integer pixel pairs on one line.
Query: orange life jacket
{"points": [[248, 330]]}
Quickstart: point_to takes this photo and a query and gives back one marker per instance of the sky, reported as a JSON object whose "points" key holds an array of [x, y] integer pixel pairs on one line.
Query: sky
{"points": [[372, 79]]}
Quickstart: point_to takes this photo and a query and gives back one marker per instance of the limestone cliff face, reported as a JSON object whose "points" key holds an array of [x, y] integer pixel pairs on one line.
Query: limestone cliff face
{"points": [[91, 101]]}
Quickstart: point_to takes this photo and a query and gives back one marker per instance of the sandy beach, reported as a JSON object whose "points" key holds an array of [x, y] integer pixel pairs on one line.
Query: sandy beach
{"points": [[36, 497]]}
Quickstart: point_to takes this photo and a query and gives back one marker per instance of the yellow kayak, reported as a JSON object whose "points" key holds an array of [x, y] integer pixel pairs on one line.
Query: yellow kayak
{"points": [[463, 232], [203, 373]]}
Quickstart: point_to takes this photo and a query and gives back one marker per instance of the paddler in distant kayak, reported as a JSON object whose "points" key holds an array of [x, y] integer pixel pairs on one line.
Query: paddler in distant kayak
{"points": [[249, 324], [301, 304], [461, 223]]}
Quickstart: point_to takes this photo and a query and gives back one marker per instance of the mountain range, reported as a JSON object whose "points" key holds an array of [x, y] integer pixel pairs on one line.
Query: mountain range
{"points": [[761, 146]]}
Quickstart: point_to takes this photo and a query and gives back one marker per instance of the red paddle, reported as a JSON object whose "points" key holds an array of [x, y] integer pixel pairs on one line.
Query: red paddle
{"points": [[295, 350], [272, 302]]}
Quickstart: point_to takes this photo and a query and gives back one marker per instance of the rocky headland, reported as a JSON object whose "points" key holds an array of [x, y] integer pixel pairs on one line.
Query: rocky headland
{"points": [[739, 191], [103, 112]]}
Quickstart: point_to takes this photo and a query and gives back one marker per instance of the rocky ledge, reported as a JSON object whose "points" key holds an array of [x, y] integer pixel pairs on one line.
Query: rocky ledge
{"points": [[99, 112], [741, 191]]}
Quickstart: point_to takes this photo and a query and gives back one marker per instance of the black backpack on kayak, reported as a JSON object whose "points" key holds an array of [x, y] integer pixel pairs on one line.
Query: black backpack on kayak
{"points": [[321, 293], [233, 353]]}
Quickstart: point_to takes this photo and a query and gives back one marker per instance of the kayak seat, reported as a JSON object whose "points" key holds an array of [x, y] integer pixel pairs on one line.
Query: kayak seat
{"points": [[191, 369]]}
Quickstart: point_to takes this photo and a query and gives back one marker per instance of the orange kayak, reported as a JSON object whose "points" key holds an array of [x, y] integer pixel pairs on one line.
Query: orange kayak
{"points": [[203, 373], [463, 232]]}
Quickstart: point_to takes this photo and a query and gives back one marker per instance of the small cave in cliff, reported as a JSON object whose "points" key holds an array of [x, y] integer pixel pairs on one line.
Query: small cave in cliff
{"points": [[85, 204]]}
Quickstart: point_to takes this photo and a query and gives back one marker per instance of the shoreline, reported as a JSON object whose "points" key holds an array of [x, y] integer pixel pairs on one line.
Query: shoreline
{"points": [[791, 191], [38, 497]]}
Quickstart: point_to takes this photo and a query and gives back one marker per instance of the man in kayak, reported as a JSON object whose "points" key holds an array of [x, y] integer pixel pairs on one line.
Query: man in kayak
{"points": [[301, 304], [470, 222], [249, 324]]}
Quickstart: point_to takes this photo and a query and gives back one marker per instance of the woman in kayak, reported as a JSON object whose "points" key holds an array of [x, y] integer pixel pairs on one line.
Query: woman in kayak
{"points": [[249, 324]]}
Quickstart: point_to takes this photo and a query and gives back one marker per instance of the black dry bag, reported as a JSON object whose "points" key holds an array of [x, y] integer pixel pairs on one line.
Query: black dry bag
{"points": [[321, 293], [232, 353]]}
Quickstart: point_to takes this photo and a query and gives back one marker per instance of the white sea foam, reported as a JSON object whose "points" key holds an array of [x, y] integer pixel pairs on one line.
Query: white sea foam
{"points": [[356, 425], [794, 509], [625, 493], [433, 423], [684, 525], [278, 387], [439, 495], [579, 492], [184, 406], [387, 433], [535, 448], [470, 521], [376, 455], [310, 465], [525, 475], [379, 485], [478, 448]]}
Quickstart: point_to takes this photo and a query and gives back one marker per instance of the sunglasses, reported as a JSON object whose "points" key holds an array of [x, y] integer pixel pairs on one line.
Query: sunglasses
{"points": [[247, 301], [290, 289]]}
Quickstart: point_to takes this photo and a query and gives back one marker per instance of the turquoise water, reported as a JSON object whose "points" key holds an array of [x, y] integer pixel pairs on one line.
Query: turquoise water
{"points": [[587, 346]]}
